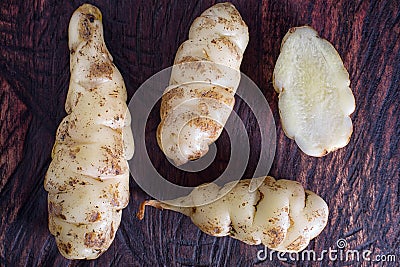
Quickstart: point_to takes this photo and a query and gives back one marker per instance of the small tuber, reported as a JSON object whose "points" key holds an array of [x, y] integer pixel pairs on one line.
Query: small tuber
{"points": [[200, 96]]}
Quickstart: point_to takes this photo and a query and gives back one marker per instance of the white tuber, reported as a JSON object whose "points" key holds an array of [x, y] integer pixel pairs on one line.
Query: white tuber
{"points": [[200, 96], [279, 214], [315, 100], [88, 177]]}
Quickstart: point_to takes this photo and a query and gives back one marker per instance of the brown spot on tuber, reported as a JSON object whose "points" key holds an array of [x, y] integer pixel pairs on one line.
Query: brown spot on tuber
{"points": [[276, 235], [297, 244], [101, 69], [94, 216], [73, 152], [93, 239], [66, 247]]}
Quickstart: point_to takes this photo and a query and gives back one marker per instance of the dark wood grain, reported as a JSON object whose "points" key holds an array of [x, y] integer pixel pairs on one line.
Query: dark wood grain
{"points": [[359, 182]]}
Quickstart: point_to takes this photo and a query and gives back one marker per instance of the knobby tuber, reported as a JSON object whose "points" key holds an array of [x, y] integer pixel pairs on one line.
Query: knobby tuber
{"points": [[204, 79], [279, 214], [88, 177]]}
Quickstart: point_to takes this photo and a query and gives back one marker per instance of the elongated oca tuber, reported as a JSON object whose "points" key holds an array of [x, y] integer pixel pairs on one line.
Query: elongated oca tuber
{"points": [[315, 100], [200, 96], [88, 177], [278, 214]]}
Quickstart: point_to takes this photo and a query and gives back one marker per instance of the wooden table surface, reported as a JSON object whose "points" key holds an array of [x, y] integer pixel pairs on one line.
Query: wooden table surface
{"points": [[360, 182]]}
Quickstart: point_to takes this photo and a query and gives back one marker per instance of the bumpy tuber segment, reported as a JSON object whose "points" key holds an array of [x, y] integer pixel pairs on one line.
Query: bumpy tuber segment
{"points": [[278, 214], [88, 178], [200, 96], [315, 100]]}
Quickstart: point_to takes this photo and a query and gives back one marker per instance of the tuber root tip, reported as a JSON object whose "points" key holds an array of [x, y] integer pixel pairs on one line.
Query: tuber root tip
{"points": [[142, 207]]}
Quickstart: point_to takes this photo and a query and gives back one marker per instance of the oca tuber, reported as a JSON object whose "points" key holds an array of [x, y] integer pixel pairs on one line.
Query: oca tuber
{"points": [[88, 177], [200, 96], [315, 100], [278, 214]]}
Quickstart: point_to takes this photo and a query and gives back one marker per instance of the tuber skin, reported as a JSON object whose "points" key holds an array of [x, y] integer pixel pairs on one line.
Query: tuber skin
{"points": [[315, 100], [88, 177], [200, 96], [279, 214]]}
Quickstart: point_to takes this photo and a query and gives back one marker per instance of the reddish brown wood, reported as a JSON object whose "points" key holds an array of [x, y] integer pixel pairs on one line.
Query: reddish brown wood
{"points": [[359, 182]]}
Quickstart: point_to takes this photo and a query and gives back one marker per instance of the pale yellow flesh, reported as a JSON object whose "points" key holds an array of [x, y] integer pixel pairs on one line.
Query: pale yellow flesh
{"points": [[279, 214], [315, 99], [209, 62], [88, 178]]}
